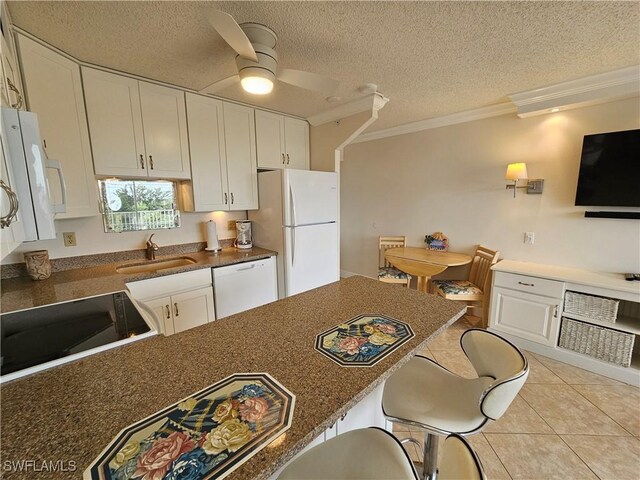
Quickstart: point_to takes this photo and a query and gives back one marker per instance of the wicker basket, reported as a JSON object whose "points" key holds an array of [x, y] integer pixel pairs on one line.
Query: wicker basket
{"points": [[596, 308], [598, 342]]}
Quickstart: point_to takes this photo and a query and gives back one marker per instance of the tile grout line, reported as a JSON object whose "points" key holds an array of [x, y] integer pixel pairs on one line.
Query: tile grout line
{"points": [[603, 412], [581, 459], [535, 411], [497, 456]]}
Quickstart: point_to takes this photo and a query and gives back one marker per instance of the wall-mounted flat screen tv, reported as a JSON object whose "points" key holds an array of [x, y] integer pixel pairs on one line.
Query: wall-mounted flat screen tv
{"points": [[610, 170]]}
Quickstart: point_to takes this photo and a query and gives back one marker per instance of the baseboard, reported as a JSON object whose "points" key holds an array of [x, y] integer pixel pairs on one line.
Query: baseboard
{"points": [[347, 274]]}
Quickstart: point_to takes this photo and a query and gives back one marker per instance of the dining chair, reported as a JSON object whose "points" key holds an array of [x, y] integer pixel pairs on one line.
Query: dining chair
{"points": [[426, 395], [474, 291], [387, 273]]}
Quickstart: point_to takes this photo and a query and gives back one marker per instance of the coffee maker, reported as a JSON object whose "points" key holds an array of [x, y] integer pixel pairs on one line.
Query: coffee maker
{"points": [[243, 234]]}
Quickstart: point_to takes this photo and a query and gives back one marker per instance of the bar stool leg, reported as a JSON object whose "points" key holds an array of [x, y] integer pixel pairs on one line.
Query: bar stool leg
{"points": [[430, 457]]}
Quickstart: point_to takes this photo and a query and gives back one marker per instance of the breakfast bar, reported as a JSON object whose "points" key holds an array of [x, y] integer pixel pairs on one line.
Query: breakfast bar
{"points": [[69, 414]]}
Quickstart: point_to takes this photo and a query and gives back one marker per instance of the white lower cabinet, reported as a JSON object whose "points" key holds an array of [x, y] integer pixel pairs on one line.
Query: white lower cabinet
{"points": [[179, 302], [533, 317], [527, 307], [364, 414]]}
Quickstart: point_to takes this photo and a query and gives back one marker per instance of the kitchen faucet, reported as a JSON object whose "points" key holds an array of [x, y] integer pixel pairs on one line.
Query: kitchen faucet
{"points": [[152, 247]]}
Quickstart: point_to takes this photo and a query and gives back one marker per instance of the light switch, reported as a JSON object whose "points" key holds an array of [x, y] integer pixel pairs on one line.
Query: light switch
{"points": [[529, 238]]}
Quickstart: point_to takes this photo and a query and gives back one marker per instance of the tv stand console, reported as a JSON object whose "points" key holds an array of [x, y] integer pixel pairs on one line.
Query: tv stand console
{"points": [[587, 319], [626, 215]]}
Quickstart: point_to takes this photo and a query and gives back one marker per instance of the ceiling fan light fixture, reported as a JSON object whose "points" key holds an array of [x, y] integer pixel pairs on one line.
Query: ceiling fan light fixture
{"points": [[256, 85]]}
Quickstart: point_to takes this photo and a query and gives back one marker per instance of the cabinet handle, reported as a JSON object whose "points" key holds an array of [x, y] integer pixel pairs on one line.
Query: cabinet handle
{"points": [[151, 162], [526, 284], [142, 161], [13, 206], [231, 198], [343, 416], [168, 311], [555, 311], [175, 309], [226, 198], [287, 159], [283, 158]]}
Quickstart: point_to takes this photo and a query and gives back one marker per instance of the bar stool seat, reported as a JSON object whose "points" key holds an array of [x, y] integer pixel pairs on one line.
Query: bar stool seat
{"points": [[364, 454], [425, 394], [452, 403]]}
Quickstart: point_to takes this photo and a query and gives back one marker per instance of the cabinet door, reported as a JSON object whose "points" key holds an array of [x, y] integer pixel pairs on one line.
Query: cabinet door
{"points": [[54, 92], [297, 143], [270, 140], [240, 144], [115, 123], [165, 131], [366, 413], [208, 157], [161, 308], [532, 317], [191, 309]]}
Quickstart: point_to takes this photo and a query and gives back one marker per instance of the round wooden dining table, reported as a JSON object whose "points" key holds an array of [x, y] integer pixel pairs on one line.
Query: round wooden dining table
{"points": [[424, 263]]}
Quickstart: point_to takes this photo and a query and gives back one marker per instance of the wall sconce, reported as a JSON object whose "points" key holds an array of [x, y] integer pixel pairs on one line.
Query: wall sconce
{"points": [[518, 171]]}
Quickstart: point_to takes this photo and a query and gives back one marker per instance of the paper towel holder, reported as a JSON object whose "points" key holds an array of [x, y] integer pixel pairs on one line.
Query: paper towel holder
{"points": [[212, 243]]}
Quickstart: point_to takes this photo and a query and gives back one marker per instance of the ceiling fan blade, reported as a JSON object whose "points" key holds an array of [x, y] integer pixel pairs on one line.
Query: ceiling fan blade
{"points": [[229, 29], [308, 80], [220, 84]]}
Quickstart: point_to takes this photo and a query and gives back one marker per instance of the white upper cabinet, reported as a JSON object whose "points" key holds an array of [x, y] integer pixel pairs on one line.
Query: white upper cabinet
{"points": [[54, 92], [165, 131], [282, 142], [240, 146], [223, 156], [115, 123], [208, 190], [138, 129]]}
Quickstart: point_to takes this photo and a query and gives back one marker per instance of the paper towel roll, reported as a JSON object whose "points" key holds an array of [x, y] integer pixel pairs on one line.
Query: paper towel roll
{"points": [[212, 237]]}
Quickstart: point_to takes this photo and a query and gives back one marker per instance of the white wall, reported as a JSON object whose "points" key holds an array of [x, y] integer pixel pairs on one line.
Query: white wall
{"points": [[451, 179], [91, 239]]}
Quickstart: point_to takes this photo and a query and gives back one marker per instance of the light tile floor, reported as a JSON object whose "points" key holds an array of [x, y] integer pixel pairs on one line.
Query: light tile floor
{"points": [[566, 423]]}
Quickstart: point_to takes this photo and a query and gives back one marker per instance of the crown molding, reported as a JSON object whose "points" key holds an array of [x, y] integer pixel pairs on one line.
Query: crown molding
{"points": [[372, 102], [582, 92], [453, 119]]}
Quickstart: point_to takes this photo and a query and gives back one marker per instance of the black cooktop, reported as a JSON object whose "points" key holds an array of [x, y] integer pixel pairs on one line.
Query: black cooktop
{"points": [[39, 335]]}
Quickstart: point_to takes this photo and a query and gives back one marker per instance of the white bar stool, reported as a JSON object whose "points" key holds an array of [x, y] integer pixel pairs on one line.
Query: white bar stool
{"points": [[424, 394], [364, 454], [375, 454]]}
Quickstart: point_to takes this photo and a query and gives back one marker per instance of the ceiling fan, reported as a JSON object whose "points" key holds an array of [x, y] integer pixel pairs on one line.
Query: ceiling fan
{"points": [[257, 60]]}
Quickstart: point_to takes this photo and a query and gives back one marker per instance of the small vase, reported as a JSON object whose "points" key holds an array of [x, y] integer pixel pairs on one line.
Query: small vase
{"points": [[38, 266]]}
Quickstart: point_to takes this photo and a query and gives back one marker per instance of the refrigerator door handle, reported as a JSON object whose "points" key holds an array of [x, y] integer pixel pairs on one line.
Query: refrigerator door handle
{"points": [[293, 206], [293, 246], [59, 207]]}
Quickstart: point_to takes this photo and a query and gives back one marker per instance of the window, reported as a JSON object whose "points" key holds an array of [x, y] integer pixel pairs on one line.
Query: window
{"points": [[129, 205]]}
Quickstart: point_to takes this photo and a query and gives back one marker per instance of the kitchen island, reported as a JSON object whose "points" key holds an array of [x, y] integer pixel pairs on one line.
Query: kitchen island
{"points": [[70, 413]]}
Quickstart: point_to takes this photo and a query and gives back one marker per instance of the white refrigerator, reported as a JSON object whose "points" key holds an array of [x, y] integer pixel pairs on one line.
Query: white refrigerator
{"points": [[297, 217]]}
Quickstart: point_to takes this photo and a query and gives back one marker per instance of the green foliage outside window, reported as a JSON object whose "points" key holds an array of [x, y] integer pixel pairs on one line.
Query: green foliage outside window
{"points": [[131, 205]]}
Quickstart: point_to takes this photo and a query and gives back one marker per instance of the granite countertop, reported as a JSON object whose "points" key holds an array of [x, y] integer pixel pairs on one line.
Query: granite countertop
{"points": [[21, 292], [71, 413]]}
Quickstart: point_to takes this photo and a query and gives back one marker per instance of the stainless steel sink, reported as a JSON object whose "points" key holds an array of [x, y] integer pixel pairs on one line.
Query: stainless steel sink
{"points": [[154, 266]]}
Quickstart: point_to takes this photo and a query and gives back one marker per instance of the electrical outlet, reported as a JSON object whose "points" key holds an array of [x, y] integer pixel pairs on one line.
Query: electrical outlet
{"points": [[529, 238], [69, 239]]}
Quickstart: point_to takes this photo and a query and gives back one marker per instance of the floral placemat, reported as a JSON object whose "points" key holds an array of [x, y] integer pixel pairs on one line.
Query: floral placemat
{"points": [[207, 435], [364, 340]]}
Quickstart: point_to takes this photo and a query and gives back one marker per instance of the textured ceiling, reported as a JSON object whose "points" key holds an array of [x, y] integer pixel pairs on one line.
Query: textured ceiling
{"points": [[429, 58]]}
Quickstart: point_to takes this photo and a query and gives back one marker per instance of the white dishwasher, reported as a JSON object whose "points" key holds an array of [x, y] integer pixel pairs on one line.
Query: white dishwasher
{"points": [[244, 286]]}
